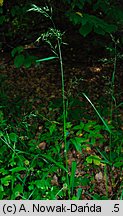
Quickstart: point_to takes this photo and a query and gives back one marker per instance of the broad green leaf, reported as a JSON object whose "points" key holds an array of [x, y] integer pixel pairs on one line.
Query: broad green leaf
{"points": [[96, 160], [75, 18], [85, 29], [118, 164], [110, 28], [78, 127], [3, 171], [19, 60], [17, 191], [93, 158], [84, 20], [27, 61], [99, 30], [76, 141], [6, 180], [39, 183], [13, 137], [89, 159], [18, 50]]}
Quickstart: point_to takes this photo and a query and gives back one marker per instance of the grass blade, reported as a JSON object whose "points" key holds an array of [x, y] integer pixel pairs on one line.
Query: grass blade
{"points": [[72, 177], [107, 127], [53, 161], [46, 59]]}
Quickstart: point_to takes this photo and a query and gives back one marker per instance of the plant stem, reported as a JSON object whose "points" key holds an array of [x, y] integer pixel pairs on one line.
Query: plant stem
{"points": [[64, 106], [64, 113]]}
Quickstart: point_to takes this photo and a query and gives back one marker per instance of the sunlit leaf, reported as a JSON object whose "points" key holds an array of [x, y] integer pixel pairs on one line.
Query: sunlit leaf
{"points": [[79, 13], [1, 2], [17, 169]]}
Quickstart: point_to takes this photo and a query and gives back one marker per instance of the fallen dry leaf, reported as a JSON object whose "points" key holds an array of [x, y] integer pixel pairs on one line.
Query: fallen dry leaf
{"points": [[42, 145], [54, 181], [99, 176]]}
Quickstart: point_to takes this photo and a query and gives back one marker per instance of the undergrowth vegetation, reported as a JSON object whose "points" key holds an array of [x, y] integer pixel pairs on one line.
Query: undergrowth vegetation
{"points": [[74, 150]]}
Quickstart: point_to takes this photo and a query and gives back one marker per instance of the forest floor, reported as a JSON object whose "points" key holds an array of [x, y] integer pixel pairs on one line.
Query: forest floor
{"points": [[34, 88]]}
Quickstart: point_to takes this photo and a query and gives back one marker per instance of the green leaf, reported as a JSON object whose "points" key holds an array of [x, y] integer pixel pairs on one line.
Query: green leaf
{"points": [[13, 137], [85, 29], [46, 59], [72, 177], [17, 191], [96, 160], [18, 50], [93, 158], [118, 164], [89, 159], [19, 60], [76, 141], [75, 18], [6, 180], [3, 171], [2, 19], [78, 127], [84, 181], [27, 61], [39, 184], [1, 192], [1, 133], [104, 122], [56, 163], [111, 28], [52, 128], [79, 193], [18, 169], [99, 30]]}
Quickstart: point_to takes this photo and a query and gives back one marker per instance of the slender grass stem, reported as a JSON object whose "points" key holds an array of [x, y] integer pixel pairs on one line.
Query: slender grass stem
{"points": [[64, 114], [63, 101]]}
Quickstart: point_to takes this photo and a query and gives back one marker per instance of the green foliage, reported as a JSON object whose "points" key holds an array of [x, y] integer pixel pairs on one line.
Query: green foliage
{"points": [[2, 17], [28, 170], [22, 58], [72, 177], [99, 17], [93, 159]]}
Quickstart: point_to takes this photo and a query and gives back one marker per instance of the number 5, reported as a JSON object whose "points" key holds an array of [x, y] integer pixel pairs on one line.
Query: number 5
{"points": [[116, 208]]}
